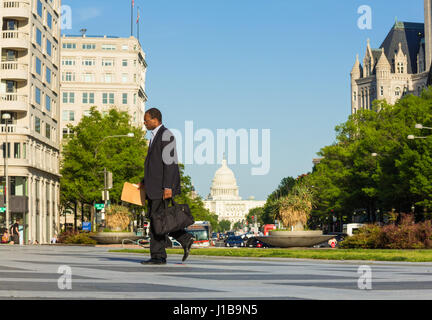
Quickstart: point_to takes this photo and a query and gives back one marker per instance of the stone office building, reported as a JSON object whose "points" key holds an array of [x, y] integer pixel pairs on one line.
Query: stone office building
{"points": [[29, 86], [401, 65]]}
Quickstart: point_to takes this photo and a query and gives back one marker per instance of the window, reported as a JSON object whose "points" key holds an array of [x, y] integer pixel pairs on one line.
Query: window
{"points": [[355, 96], [38, 95], [89, 46], [11, 55], [11, 25], [135, 98], [69, 45], [124, 77], [47, 103], [11, 86], [125, 47], [107, 62], [382, 90], [48, 47], [68, 76], [125, 98], [48, 75], [87, 113], [48, 131], [49, 20], [88, 77], [8, 149], [68, 115], [39, 8], [89, 62], [38, 66], [17, 150], [68, 62], [67, 132], [108, 47], [68, 97], [397, 91], [124, 63], [108, 77], [88, 97], [39, 37], [37, 125], [108, 98]]}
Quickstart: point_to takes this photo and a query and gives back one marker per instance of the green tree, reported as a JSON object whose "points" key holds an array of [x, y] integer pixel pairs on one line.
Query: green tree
{"points": [[86, 153], [224, 225]]}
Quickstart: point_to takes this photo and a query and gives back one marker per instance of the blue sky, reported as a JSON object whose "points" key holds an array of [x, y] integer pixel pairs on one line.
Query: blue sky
{"points": [[277, 64]]}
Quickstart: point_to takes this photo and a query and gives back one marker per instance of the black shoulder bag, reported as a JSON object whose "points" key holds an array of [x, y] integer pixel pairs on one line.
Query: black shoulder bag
{"points": [[170, 219]]}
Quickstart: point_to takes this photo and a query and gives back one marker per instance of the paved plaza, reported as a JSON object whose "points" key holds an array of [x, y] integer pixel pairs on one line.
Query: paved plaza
{"points": [[33, 272]]}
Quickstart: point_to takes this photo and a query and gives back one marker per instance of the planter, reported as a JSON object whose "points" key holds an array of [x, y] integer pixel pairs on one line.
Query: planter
{"points": [[289, 239], [114, 237]]}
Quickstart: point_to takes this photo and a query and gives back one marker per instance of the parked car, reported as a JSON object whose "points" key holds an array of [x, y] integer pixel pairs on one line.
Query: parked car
{"points": [[255, 243], [234, 241]]}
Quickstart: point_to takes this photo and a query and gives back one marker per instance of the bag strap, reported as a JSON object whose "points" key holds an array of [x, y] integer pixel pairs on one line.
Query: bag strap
{"points": [[167, 201]]}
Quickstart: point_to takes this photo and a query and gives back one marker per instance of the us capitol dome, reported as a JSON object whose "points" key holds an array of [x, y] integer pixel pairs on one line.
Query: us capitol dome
{"points": [[224, 199]]}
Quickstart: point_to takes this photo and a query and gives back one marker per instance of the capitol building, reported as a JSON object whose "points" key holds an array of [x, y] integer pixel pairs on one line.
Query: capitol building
{"points": [[224, 199]]}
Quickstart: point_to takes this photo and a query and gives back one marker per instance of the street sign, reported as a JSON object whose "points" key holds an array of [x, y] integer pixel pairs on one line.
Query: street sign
{"points": [[2, 209], [99, 206], [86, 226]]}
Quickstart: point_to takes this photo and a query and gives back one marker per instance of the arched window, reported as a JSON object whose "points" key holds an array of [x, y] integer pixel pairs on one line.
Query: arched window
{"points": [[397, 91]]}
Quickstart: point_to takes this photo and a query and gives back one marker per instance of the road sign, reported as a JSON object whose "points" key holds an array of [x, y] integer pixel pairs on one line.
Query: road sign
{"points": [[86, 226], [99, 206], [2, 209]]}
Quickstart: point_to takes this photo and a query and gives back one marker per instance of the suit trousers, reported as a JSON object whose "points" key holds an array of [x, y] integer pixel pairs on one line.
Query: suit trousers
{"points": [[158, 243]]}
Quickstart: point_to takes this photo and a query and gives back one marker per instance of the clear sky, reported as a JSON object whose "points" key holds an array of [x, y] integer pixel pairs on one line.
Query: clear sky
{"points": [[276, 64]]}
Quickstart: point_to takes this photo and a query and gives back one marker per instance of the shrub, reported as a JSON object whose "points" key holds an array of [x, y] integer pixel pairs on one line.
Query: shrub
{"points": [[81, 238], [407, 235], [66, 234]]}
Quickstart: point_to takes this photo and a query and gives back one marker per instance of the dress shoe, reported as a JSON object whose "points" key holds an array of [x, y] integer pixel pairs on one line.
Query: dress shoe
{"points": [[153, 261], [187, 248]]}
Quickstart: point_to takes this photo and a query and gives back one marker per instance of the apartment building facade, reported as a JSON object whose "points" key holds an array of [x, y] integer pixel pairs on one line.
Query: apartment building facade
{"points": [[29, 86], [101, 71]]}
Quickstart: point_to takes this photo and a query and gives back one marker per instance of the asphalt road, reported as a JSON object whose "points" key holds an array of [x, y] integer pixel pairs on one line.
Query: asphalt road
{"points": [[56, 272]]}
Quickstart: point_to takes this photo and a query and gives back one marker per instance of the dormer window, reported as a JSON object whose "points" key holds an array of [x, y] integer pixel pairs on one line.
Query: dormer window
{"points": [[400, 67]]}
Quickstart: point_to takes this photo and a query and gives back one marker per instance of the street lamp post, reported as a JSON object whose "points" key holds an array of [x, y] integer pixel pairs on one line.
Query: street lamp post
{"points": [[6, 117]]}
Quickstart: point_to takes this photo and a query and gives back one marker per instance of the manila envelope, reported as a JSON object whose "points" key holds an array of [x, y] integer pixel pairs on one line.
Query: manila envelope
{"points": [[132, 194]]}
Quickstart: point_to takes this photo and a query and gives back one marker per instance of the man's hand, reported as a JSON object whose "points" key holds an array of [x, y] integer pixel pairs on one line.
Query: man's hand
{"points": [[167, 194]]}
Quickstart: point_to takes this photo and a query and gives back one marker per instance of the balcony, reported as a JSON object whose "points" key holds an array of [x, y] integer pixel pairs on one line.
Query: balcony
{"points": [[18, 10], [16, 40], [13, 128], [13, 102], [14, 71]]}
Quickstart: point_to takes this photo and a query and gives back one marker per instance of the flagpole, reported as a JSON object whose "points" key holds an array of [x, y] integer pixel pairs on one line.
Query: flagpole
{"points": [[132, 7], [138, 28]]}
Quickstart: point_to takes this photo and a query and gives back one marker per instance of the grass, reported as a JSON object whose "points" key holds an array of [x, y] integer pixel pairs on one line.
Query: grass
{"points": [[323, 254]]}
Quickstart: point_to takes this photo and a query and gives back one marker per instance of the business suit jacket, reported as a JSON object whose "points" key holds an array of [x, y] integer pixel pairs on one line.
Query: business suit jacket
{"points": [[161, 168]]}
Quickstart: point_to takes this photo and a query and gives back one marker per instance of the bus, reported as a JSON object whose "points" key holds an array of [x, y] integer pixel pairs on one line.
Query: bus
{"points": [[201, 230]]}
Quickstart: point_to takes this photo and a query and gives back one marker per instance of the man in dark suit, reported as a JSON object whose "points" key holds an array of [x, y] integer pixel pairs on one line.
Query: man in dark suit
{"points": [[161, 182]]}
